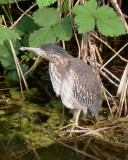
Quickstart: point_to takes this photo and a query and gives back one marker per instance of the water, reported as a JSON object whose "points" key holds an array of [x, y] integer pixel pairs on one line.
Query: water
{"points": [[27, 129]]}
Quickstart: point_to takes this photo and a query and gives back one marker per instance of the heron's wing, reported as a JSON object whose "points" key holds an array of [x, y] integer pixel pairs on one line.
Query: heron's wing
{"points": [[86, 87]]}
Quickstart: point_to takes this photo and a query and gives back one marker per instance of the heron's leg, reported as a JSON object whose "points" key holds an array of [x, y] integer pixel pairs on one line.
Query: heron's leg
{"points": [[75, 120], [76, 116]]}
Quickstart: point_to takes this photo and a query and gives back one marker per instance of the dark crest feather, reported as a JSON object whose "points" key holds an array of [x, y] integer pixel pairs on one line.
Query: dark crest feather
{"points": [[54, 48]]}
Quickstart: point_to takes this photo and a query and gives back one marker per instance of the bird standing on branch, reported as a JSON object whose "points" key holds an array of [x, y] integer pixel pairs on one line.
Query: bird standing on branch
{"points": [[72, 79]]}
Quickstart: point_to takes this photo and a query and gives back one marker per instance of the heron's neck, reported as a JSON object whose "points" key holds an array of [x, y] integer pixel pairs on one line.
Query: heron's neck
{"points": [[59, 61]]}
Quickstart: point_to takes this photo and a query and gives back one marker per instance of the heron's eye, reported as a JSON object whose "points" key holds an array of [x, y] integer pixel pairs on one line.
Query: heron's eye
{"points": [[46, 52]]}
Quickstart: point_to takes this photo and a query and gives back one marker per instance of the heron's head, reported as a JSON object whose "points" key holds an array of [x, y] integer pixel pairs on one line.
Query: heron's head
{"points": [[48, 51]]}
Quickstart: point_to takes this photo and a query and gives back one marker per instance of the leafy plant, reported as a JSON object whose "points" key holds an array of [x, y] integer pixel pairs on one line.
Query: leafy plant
{"points": [[52, 27], [12, 76], [46, 26], [45, 3], [104, 17], [6, 56], [7, 34], [8, 1]]}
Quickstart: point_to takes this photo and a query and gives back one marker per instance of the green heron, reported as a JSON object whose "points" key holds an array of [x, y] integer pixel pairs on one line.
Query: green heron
{"points": [[72, 79]]}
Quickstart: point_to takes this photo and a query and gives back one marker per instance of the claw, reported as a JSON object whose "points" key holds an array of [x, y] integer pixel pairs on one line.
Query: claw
{"points": [[74, 122]]}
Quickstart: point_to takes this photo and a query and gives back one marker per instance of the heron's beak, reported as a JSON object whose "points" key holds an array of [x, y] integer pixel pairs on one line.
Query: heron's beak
{"points": [[36, 50]]}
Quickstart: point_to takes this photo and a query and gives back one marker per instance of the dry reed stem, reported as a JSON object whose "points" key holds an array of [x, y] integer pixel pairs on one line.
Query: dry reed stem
{"points": [[19, 70], [113, 56], [123, 59]]}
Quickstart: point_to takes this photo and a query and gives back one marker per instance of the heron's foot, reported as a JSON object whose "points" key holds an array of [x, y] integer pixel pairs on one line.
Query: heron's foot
{"points": [[73, 126], [70, 127]]}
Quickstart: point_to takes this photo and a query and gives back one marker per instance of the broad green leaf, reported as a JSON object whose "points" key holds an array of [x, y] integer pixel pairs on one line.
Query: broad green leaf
{"points": [[91, 5], [104, 12], [88, 8], [26, 25], [25, 40], [63, 30], [6, 57], [13, 76], [84, 18], [80, 9], [8, 1], [42, 36], [7, 34], [45, 3], [85, 23], [111, 27], [9, 66], [46, 17]]}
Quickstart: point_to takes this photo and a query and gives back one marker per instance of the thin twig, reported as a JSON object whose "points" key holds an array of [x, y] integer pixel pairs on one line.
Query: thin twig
{"points": [[22, 15], [33, 65], [113, 99], [32, 147], [114, 56], [108, 78], [77, 150], [104, 73], [123, 59], [19, 70], [21, 9], [98, 54], [107, 100]]}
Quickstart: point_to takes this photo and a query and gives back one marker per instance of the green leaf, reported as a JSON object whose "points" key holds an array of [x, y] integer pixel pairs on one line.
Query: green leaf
{"points": [[46, 17], [42, 36], [63, 30], [107, 22], [104, 12], [26, 25], [91, 5], [7, 34], [45, 3], [25, 40], [85, 23], [111, 27], [84, 18], [105, 17], [27, 56], [88, 8], [13, 76], [8, 1], [6, 57]]}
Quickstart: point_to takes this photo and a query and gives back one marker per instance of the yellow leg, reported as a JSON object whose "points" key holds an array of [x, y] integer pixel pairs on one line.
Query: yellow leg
{"points": [[74, 122], [75, 119]]}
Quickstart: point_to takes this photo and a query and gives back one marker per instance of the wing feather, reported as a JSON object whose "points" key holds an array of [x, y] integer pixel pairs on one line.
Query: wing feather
{"points": [[86, 87]]}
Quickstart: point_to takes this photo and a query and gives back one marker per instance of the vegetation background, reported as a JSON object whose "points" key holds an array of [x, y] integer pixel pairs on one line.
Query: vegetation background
{"points": [[93, 30]]}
